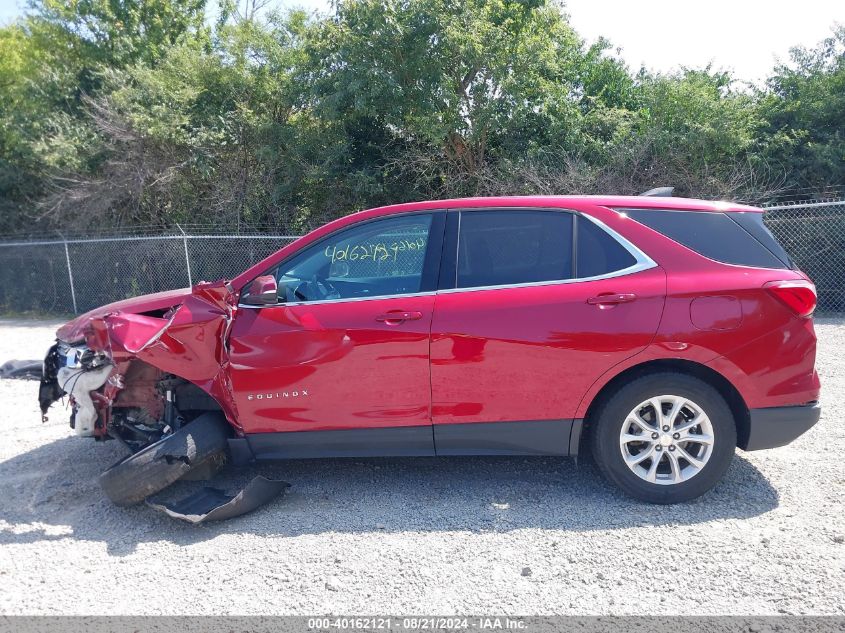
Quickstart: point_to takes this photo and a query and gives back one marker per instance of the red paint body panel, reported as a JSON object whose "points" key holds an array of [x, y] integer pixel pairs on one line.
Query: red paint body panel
{"points": [[529, 353], [732, 352], [190, 343], [357, 372], [716, 313], [532, 352]]}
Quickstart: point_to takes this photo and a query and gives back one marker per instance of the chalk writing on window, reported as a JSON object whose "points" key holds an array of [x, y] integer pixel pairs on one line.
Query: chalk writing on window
{"points": [[374, 251]]}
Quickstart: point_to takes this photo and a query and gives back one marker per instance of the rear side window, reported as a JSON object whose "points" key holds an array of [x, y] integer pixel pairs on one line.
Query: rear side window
{"points": [[714, 235], [498, 248], [597, 252]]}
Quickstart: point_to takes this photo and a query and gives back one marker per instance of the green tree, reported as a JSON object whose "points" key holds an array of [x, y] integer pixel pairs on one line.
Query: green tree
{"points": [[804, 112], [119, 32], [54, 60], [136, 112], [205, 127], [41, 129], [457, 84]]}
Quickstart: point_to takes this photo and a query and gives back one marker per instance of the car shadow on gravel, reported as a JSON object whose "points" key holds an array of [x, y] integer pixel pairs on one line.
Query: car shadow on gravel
{"points": [[51, 493]]}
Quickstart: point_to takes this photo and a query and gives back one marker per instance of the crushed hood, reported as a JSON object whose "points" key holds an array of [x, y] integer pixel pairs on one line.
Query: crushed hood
{"points": [[73, 330]]}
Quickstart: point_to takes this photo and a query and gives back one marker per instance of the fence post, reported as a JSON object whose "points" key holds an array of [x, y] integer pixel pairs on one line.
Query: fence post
{"points": [[187, 259], [70, 275]]}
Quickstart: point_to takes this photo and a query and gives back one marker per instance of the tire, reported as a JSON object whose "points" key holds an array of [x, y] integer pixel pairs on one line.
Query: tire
{"points": [[158, 465], [673, 479]]}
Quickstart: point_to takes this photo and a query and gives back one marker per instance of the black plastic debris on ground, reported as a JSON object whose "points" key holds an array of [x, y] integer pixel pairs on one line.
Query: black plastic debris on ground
{"points": [[213, 504], [22, 369]]}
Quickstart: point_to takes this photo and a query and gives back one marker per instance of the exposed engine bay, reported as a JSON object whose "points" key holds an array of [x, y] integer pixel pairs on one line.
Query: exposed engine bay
{"points": [[137, 406]]}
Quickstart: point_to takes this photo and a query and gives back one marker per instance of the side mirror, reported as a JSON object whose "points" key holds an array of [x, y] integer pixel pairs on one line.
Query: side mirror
{"points": [[262, 291]]}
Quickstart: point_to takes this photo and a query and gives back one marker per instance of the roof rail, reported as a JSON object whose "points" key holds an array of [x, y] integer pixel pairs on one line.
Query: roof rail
{"points": [[662, 192]]}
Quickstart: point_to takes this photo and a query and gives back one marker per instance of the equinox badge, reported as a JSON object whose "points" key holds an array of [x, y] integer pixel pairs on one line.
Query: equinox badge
{"points": [[277, 394]]}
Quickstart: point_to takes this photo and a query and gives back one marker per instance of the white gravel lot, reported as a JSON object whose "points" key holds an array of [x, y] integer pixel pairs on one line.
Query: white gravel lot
{"points": [[425, 535]]}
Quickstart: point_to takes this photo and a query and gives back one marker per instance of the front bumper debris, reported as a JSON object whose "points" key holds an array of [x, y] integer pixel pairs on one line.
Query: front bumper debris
{"points": [[22, 369], [212, 504], [129, 367]]}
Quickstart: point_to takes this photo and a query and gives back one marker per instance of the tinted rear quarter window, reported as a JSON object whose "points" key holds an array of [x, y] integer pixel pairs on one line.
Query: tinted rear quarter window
{"points": [[714, 235], [598, 253]]}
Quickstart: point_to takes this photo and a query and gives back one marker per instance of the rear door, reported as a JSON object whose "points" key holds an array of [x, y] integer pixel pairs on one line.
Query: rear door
{"points": [[534, 306]]}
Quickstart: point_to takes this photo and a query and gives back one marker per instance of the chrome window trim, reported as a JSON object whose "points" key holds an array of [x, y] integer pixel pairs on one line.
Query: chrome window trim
{"points": [[635, 268], [642, 262], [340, 300], [623, 211]]}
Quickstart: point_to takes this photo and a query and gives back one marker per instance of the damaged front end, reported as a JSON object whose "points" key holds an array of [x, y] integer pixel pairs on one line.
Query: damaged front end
{"points": [[135, 373], [140, 370]]}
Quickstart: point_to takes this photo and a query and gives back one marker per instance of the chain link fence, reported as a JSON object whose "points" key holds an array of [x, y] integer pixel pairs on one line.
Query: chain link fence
{"points": [[77, 275], [814, 236], [66, 276]]}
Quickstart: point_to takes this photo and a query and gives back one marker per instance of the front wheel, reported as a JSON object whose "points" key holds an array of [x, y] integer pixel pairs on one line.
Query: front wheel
{"points": [[664, 438]]}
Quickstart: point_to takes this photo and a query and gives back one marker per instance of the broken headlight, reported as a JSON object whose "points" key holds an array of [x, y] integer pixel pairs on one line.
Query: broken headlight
{"points": [[80, 357]]}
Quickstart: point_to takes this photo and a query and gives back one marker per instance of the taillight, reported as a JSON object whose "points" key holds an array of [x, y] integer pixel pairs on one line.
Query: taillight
{"points": [[798, 295]]}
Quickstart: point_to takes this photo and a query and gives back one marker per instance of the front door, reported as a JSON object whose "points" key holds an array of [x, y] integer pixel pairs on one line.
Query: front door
{"points": [[539, 304], [345, 352]]}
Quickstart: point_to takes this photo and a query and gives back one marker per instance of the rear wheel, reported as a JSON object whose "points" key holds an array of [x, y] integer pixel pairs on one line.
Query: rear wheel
{"points": [[158, 465], [664, 438]]}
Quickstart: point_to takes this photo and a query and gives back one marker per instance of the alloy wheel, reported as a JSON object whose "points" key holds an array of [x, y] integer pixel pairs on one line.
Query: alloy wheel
{"points": [[666, 440]]}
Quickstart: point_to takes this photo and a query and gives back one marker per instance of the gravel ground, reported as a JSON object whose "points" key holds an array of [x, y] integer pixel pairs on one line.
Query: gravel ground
{"points": [[425, 535]]}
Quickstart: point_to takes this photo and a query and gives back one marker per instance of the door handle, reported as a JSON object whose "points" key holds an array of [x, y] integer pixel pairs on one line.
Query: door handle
{"points": [[612, 298], [395, 317]]}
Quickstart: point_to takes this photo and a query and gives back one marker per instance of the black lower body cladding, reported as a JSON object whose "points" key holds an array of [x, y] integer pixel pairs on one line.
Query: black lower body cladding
{"points": [[778, 426]]}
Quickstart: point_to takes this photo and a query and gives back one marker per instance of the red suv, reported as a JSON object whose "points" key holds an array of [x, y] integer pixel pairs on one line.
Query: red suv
{"points": [[660, 332]]}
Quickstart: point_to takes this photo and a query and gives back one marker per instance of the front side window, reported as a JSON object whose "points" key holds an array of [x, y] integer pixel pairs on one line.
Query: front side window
{"points": [[513, 247], [378, 258]]}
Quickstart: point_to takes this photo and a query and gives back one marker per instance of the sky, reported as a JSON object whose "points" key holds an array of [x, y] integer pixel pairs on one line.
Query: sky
{"points": [[745, 36]]}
